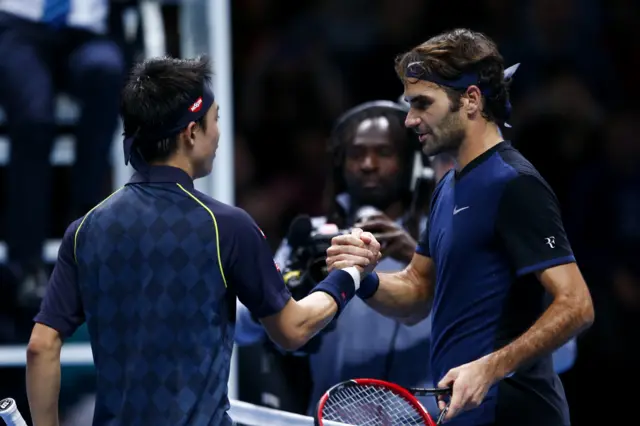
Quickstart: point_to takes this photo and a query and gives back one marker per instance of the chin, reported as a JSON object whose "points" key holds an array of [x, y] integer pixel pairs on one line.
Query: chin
{"points": [[431, 150], [203, 172], [450, 146]]}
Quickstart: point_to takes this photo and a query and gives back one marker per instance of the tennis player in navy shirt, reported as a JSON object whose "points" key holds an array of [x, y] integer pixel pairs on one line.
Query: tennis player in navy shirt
{"points": [[155, 269], [494, 265]]}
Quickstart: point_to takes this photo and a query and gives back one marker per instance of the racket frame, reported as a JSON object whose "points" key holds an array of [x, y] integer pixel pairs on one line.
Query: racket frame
{"points": [[409, 395]]}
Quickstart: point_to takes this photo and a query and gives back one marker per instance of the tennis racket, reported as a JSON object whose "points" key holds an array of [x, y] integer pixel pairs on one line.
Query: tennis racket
{"points": [[10, 414], [371, 402]]}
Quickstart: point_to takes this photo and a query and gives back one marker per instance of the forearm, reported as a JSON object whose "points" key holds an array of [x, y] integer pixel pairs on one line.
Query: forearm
{"points": [[43, 386], [318, 310], [402, 296], [300, 320], [565, 318]]}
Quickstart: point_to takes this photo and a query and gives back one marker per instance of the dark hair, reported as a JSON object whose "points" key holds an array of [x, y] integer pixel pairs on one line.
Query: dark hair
{"points": [[344, 133], [451, 54], [156, 94]]}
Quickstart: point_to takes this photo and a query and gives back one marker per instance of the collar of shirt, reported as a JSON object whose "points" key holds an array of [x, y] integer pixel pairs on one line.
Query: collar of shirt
{"points": [[163, 174]]}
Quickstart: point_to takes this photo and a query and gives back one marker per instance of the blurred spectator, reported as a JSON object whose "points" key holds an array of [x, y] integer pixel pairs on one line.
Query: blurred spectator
{"points": [[557, 128], [372, 155], [561, 31], [47, 47], [606, 196]]}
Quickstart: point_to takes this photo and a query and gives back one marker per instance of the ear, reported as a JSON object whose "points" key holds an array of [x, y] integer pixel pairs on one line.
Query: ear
{"points": [[473, 100], [190, 133]]}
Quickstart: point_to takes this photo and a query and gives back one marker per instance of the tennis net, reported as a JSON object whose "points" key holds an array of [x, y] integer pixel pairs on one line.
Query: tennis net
{"points": [[242, 413]]}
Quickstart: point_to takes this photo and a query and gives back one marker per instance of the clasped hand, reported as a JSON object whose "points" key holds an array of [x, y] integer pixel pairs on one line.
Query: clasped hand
{"points": [[359, 249]]}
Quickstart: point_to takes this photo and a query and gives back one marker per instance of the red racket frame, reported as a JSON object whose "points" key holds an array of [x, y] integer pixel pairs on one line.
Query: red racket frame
{"points": [[396, 389]]}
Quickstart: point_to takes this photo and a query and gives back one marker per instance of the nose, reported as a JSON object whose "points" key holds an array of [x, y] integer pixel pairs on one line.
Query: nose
{"points": [[369, 163], [411, 121]]}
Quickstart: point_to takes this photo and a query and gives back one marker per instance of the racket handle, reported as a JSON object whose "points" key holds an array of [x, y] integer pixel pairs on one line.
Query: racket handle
{"points": [[430, 391], [10, 414]]}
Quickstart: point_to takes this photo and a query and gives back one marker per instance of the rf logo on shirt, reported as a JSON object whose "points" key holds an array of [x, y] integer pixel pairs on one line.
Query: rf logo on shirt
{"points": [[550, 241]]}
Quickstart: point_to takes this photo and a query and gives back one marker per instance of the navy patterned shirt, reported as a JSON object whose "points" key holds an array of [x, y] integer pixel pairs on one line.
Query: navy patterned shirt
{"points": [[154, 270]]}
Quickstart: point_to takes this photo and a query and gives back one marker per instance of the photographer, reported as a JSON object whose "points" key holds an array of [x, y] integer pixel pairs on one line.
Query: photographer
{"points": [[374, 187]]}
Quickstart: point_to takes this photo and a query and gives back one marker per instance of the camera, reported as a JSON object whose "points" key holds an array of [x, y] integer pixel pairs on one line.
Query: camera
{"points": [[309, 241], [305, 265]]}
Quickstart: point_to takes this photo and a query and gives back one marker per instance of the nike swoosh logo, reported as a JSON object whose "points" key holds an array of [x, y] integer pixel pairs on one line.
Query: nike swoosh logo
{"points": [[458, 210]]}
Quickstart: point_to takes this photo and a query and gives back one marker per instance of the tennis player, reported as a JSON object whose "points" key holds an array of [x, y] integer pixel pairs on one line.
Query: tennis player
{"points": [[155, 269], [494, 263]]}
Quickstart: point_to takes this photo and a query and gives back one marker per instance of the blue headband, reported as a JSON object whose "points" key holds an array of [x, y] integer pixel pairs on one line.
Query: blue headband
{"points": [[416, 70], [193, 111]]}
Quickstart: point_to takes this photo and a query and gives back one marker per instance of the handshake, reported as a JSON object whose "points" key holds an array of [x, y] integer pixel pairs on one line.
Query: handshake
{"points": [[359, 249]]}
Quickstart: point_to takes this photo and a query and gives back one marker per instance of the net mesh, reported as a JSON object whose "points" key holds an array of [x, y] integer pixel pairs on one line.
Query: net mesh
{"points": [[370, 406]]}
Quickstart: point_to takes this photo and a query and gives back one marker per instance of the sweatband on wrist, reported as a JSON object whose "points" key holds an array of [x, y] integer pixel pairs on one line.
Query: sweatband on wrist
{"points": [[340, 285], [355, 274], [369, 285]]}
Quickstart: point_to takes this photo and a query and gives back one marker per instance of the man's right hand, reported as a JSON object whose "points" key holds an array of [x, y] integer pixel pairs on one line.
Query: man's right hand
{"points": [[359, 249]]}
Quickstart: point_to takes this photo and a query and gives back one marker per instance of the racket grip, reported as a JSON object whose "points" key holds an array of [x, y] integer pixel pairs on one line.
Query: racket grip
{"points": [[10, 414], [430, 391]]}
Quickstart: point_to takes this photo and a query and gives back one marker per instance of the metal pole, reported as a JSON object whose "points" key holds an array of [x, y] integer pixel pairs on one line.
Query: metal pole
{"points": [[221, 180]]}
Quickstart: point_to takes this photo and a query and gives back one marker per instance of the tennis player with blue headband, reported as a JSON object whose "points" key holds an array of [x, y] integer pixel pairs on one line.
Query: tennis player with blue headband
{"points": [[494, 266]]}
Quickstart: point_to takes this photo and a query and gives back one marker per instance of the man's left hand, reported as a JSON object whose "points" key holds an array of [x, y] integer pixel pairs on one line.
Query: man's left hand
{"points": [[470, 384], [394, 240]]}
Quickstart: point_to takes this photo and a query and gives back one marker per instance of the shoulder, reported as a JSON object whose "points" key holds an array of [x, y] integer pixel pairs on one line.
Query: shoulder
{"points": [[111, 209], [228, 218], [517, 163], [524, 177], [69, 240], [512, 172], [74, 226]]}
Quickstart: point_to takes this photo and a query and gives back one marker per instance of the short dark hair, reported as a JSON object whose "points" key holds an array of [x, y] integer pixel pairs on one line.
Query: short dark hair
{"points": [[451, 54], [156, 93], [346, 132]]}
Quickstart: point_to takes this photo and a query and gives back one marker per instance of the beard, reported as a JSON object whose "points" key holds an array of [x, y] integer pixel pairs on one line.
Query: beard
{"points": [[379, 197], [447, 137]]}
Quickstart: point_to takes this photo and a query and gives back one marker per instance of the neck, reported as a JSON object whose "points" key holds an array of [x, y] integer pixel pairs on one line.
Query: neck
{"points": [[395, 210], [179, 163], [480, 138]]}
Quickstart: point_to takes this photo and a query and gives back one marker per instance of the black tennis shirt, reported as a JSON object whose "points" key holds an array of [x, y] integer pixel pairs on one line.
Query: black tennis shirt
{"points": [[492, 225]]}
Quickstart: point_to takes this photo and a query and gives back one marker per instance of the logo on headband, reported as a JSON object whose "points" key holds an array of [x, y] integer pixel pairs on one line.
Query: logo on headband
{"points": [[197, 105]]}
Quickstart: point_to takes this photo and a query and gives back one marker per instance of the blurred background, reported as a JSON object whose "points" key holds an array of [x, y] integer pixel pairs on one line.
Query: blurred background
{"points": [[295, 67]]}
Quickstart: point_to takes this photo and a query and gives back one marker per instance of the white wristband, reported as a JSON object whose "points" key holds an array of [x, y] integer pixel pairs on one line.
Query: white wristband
{"points": [[355, 274]]}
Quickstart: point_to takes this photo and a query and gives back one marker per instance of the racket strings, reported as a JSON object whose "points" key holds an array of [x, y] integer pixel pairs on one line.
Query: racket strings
{"points": [[370, 406]]}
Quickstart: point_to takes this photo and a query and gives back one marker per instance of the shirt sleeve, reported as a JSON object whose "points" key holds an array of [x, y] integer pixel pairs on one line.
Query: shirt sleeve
{"points": [[423, 242], [254, 274], [248, 331], [529, 223], [61, 308]]}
